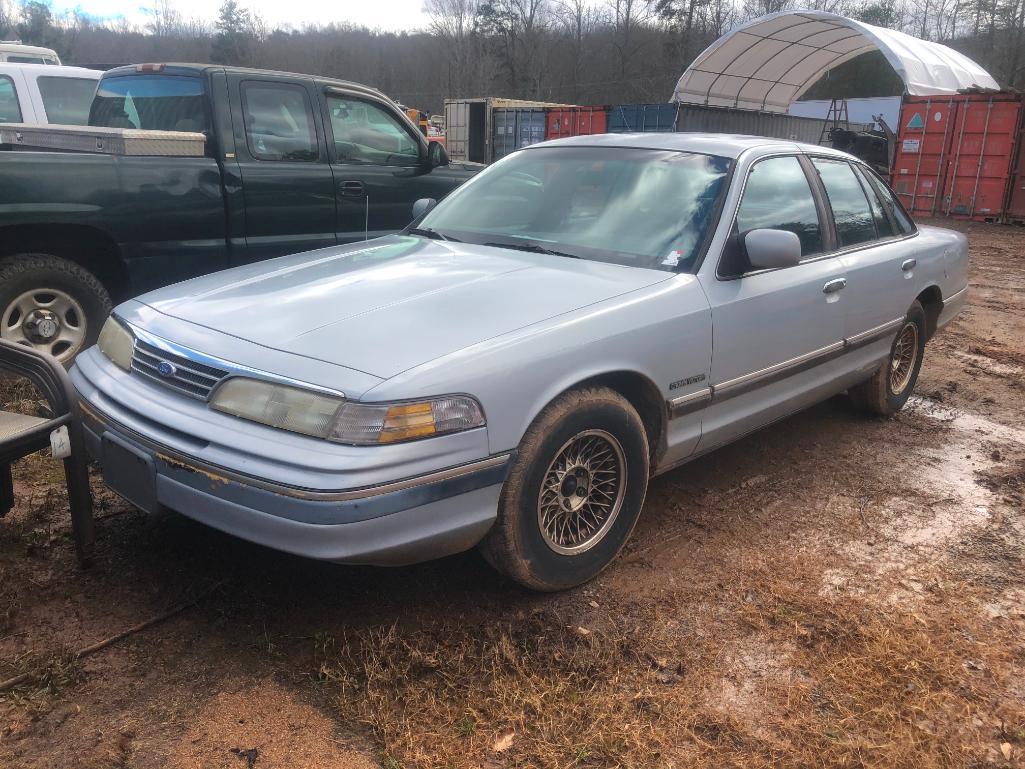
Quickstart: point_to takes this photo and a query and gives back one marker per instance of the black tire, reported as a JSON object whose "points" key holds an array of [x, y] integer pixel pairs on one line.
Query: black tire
{"points": [[877, 395], [516, 545], [41, 272]]}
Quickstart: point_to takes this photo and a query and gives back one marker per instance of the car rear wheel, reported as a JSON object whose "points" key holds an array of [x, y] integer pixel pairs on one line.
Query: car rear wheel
{"points": [[574, 493], [50, 304], [893, 382]]}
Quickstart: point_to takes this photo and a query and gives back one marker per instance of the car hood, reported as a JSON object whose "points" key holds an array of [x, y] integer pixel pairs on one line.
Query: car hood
{"points": [[388, 305]]}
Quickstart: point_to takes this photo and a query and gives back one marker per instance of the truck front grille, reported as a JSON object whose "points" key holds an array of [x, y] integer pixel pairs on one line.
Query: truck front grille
{"points": [[182, 375]]}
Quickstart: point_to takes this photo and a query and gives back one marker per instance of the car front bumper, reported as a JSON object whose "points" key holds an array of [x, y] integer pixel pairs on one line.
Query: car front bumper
{"points": [[408, 520]]}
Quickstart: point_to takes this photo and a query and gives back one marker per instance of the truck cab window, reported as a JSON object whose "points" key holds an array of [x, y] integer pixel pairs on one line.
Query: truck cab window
{"points": [[10, 110], [279, 121], [155, 102], [366, 133], [67, 99]]}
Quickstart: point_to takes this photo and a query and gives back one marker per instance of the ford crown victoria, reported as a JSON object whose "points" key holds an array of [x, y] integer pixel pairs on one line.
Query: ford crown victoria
{"points": [[511, 370]]}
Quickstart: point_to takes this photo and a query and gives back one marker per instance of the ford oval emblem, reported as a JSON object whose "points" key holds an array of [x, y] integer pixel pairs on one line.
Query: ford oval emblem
{"points": [[166, 368]]}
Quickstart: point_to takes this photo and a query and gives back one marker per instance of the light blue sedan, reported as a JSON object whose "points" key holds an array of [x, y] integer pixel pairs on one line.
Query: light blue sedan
{"points": [[511, 370]]}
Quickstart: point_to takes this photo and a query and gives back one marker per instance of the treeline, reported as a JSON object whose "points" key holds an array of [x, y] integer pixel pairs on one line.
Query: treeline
{"points": [[572, 51]]}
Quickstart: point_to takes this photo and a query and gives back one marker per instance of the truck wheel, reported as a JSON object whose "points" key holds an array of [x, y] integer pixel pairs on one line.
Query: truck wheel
{"points": [[50, 304], [891, 386], [574, 493]]}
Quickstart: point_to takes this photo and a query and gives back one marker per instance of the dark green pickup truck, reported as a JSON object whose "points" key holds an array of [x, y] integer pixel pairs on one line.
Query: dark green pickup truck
{"points": [[292, 163]]}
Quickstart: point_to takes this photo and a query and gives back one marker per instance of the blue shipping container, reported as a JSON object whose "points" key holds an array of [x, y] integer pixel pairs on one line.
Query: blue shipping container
{"points": [[642, 118], [516, 128]]}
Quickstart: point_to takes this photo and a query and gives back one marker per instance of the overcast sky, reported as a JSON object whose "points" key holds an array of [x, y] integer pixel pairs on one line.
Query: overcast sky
{"points": [[391, 15]]}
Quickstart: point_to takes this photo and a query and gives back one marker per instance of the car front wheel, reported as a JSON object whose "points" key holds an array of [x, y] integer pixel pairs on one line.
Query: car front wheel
{"points": [[574, 493]]}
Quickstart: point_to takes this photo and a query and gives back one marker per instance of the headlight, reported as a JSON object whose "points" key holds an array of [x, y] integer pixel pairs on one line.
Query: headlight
{"points": [[335, 419], [117, 343]]}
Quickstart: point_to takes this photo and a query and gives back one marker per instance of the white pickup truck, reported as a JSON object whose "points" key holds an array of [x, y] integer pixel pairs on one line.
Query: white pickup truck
{"points": [[46, 93]]}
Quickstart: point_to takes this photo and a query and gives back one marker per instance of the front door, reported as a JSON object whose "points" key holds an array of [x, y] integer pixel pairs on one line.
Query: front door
{"points": [[776, 334], [377, 160], [286, 179]]}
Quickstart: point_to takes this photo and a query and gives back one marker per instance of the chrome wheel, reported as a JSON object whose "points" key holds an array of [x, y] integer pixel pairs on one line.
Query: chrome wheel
{"points": [[47, 319], [582, 492], [905, 355]]}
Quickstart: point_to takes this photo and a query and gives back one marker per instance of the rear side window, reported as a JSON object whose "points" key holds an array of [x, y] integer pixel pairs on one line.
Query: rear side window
{"points": [[851, 212], [896, 211], [777, 197], [22, 59], [884, 226], [156, 102], [10, 110], [66, 100], [279, 121]]}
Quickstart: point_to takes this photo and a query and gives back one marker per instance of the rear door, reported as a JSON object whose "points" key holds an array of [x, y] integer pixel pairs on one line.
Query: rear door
{"points": [[286, 178], [377, 157], [776, 334]]}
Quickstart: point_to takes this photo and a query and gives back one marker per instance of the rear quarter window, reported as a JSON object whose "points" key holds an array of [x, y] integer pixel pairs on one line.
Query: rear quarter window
{"points": [[10, 109], [66, 100]]}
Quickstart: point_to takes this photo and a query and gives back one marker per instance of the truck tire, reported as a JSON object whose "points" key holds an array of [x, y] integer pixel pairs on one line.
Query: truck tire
{"points": [[574, 492], [892, 383], [50, 304]]}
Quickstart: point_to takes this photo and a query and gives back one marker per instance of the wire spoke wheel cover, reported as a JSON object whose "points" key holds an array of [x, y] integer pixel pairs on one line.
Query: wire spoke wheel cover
{"points": [[48, 319], [582, 492], [903, 359]]}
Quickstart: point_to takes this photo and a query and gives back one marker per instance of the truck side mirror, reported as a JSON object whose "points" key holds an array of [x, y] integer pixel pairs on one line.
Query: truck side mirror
{"points": [[436, 155]]}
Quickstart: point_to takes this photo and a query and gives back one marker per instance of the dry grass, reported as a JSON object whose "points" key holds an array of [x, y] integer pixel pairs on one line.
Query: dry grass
{"points": [[826, 682]]}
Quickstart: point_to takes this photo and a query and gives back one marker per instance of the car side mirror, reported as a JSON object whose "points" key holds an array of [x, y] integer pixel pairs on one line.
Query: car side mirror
{"points": [[436, 155], [772, 249], [422, 207]]}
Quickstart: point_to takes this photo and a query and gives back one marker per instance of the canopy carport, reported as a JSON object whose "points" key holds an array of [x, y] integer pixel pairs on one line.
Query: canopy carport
{"points": [[768, 63]]}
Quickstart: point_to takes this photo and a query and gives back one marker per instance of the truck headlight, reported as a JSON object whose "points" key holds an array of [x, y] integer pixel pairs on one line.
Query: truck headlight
{"points": [[336, 419], [117, 343]]}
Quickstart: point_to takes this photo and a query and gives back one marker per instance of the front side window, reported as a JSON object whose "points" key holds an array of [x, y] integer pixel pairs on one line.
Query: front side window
{"points": [[66, 100], [10, 109], [851, 212], [155, 102], [367, 133], [279, 121], [637, 207], [778, 197]]}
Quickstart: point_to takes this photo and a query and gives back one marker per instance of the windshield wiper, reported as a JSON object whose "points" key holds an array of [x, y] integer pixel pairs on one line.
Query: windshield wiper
{"points": [[532, 248], [430, 232]]}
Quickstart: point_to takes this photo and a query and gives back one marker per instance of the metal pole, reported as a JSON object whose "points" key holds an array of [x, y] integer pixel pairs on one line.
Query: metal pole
{"points": [[943, 154], [982, 155], [963, 118]]}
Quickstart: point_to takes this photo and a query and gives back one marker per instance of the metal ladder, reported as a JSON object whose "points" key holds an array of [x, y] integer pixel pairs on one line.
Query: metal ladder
{"points": [[836, 115]]}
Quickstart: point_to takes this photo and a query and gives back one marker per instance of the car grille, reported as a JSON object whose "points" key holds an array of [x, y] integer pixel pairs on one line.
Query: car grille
{"points": [[189, 377]]}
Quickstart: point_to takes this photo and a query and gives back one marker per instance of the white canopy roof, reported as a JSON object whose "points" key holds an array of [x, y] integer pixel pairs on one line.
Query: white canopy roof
{"points": [[768, 63]]}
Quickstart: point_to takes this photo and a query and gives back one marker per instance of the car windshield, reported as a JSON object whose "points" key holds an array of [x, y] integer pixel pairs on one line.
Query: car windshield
{"points": [[157, 102], [631, 206]]}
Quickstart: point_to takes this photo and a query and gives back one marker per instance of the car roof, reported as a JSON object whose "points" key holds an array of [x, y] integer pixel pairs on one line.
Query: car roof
{"points": [[50, 70], [723, 145], [195, 69]]}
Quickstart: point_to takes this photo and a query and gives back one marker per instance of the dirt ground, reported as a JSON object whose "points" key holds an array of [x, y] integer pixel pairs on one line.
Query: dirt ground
{"points": [[833, 590]]}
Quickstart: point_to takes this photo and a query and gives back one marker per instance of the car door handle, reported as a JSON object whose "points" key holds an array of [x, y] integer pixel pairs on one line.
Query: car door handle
{"points": [[352, 189], [834, 285], [908, 265]]}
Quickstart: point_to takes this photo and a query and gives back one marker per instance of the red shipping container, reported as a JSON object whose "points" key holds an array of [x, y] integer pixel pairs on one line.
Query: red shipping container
{"points": [[954, 154], [923, 144], [575, 121], [980, 158], [1015, 209]]}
